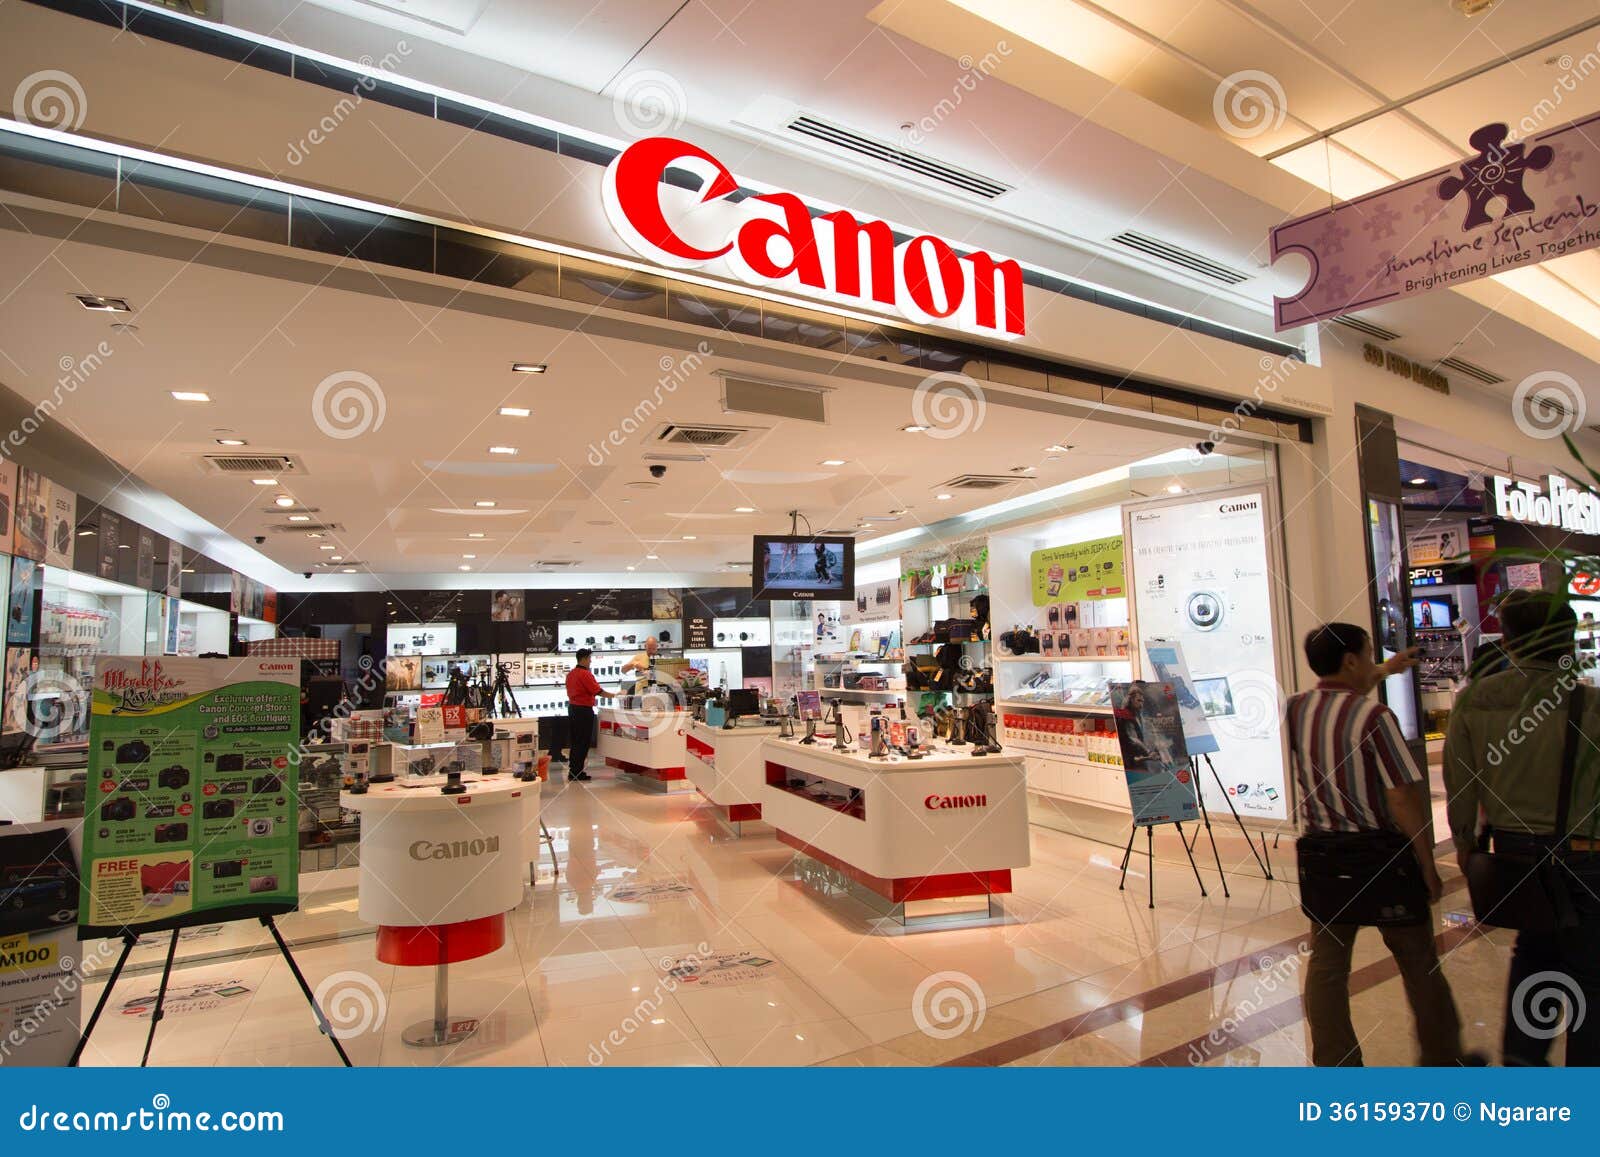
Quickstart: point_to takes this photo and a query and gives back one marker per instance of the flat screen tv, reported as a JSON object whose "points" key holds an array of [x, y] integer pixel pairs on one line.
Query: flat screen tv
{"points": [[803, 567], [1433, 613]]}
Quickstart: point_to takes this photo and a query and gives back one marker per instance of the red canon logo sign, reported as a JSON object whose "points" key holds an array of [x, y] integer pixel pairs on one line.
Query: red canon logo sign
{"points": [[943, 802], [771, 239]]}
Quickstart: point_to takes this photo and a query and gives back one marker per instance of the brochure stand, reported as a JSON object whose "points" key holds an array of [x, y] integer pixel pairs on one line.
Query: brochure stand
{"points": [[129, 939]]}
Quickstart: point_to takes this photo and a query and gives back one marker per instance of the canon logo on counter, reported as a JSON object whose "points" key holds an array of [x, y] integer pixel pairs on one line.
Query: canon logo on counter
{"points": [[945, 802], [771, 240], [454, 849]]}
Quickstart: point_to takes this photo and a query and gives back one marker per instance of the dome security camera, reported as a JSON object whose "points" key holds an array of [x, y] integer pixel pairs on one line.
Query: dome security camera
{"points": [[308, 573], [658, 471], [1204, 448], [260, 538]]}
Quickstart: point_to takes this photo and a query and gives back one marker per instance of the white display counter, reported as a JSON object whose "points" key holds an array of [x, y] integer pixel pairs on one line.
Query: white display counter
{"points": [[933, 836], [726, 765], [438, 875], [647, 745]]}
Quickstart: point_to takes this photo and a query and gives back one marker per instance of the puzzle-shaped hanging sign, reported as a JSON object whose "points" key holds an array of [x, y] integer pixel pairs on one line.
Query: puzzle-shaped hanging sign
{"points": [[1513, 204]]}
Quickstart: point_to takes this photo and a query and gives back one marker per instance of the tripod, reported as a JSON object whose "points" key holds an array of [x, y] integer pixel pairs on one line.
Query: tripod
{"points": [[501, 701]]}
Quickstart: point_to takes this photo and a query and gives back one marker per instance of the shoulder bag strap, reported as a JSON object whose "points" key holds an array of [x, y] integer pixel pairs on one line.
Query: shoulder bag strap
{"points": [[1569, 761]]}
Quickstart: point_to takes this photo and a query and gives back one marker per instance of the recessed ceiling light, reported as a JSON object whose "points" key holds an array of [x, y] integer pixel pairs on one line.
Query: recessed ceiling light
{"points": [[528, 367], [1057, 448], [469, 556], [83, 533], [313, 534], [502, 449], [265, 481], [484, 504], [122, 546], [688, 538], [299, 518], [833, 462], [630, 568], [283, 500], [463, 566], [944, 497], [652, 557], [188, 570], [914, 429], [349, 570], [232, 442], [744, 509], [103, 304], [514, 412], [1175, 488], [190, 396], [1419, 482], [476, 534], [327, 546], [336, 558]]}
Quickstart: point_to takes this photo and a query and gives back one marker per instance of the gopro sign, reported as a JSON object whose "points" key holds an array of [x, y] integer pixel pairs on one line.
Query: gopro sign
{"points": [[1558, 505]]}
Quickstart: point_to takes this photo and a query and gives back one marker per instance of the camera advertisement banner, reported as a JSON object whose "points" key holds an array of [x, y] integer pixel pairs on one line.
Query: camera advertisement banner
{"points": [[1154, 758], [1083, 570], [191, 813], [40, 974], [1200, 580]]}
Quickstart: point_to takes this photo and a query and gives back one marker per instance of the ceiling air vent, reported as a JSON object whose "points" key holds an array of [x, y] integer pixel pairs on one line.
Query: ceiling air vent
{"points": [[252, 464], [839, 532], [773, 399], [659, 457], [1467, 369], [1370, 329], [307, 528], [851, 141], [1182, 258], [981, 482], [558, 563], [706, 437]]}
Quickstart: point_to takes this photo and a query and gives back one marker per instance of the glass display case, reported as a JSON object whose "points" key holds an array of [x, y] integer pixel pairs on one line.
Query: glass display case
{"points": [[1056, 681]]}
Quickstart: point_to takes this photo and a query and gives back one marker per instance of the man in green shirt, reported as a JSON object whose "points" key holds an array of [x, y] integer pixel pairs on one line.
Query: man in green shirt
{"points": [[1502, 771]]}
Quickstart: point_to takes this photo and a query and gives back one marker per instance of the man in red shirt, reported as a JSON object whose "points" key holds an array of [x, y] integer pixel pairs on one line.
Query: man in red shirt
{"points": [[582, 691]]}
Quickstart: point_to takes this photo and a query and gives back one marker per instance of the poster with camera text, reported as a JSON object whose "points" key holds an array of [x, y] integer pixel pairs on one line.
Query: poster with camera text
{"points": [[1081, 570], [190, 811]]}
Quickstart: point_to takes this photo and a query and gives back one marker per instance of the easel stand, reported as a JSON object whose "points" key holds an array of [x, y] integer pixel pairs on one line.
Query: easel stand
{"points": [[1150, 852], [129, 939], [1264, 856]]}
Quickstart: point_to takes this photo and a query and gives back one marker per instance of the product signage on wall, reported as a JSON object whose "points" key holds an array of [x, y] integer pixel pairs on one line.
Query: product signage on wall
{"points": [[1509, 206], [1200, 578], [1161, 787], [1438, 544], [1557, 504], [874, 602], [696, 633], [190, 813], [1084, 570], [63, 526], [772, 240]]}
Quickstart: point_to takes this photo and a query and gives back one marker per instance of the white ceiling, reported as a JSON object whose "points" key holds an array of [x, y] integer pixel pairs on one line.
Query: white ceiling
{"points": [[405, 491], [1101, 114]]}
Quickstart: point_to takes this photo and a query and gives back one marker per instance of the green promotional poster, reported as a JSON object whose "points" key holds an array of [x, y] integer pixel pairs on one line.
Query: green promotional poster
{"points": [[1084, 570], [191, 812]]}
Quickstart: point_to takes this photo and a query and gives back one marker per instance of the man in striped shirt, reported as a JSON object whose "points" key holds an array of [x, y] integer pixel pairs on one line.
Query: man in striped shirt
{"points": [[1355, 774]]}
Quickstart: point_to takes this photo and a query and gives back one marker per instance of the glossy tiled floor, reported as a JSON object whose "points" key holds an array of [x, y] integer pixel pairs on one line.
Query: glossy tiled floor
{"points": [[1082, 974]]}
